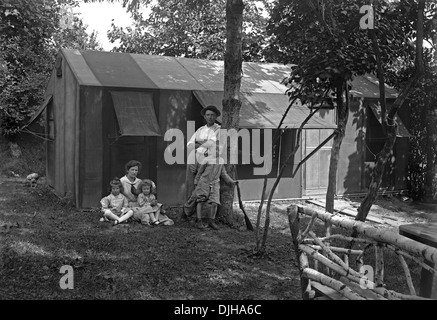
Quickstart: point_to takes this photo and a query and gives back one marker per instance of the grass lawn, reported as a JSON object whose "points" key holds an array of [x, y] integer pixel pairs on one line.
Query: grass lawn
{"points": [[131, 261]]}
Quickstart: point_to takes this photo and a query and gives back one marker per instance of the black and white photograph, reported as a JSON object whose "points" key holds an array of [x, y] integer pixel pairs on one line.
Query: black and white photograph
{"points": [[218, 158]]}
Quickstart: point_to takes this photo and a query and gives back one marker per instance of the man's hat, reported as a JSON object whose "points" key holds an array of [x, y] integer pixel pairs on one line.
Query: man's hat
{"points": [[212, 108]]}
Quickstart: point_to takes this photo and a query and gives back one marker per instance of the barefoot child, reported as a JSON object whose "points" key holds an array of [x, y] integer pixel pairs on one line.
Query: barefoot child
{"points": [[115, 205]]}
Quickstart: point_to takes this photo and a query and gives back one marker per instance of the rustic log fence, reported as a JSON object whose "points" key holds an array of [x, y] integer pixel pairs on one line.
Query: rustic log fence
{"points": [[340, 280]]}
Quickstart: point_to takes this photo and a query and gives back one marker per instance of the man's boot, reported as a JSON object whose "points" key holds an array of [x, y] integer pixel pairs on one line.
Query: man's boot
{"points": [[211, 218], [200, 225], [212, 224]]}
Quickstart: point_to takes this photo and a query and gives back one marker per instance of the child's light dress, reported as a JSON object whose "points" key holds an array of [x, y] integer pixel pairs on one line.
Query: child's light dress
{"points": [[118, 205], [144, 202]]}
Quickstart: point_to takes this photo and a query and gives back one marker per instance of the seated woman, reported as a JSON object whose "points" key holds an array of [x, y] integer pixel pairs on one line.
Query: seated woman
{"points": [[131, 190]]}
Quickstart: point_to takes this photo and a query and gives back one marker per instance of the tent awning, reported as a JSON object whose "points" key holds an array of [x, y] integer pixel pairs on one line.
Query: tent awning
{"points": [[265, 110], [402, 130], [135, 113], [39, 111]]}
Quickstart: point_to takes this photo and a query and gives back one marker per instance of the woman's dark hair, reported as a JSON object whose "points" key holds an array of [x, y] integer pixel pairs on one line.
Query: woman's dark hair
{"points": [[133, 163], [147, 182], [115, 183]]}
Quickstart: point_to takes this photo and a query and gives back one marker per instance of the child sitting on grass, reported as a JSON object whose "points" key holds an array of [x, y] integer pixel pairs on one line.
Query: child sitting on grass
{"points": [[147, 200], [150, 211], [115, 205]]}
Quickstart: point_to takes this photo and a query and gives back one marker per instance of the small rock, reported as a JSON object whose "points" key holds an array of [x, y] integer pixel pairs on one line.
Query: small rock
{"points": [[15, 150]]}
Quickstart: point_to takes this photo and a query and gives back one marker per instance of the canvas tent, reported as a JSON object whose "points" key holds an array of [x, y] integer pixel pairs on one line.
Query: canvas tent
{"points": [[103, 109]]}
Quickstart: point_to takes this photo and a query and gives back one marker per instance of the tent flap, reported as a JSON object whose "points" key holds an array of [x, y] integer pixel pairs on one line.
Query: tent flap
{"points": [[39, 111], [402, 130], [135, 113], [265, 110]]}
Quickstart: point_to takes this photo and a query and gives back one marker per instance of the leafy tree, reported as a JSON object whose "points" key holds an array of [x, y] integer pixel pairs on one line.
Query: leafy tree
{"points": [[422, 102], [422, 182], [29, 39], [192, 29], [388, 114], [324, 41]]}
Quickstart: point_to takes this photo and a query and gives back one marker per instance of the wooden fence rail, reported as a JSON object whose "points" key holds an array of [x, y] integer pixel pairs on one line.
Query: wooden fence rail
{"points": [[342, 281]]}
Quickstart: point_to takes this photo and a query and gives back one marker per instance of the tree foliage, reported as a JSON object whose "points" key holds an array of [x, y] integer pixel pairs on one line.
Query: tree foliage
{"points": [[326, 44], [31, 33], [423, 140], [192, 29], [422, 102]]}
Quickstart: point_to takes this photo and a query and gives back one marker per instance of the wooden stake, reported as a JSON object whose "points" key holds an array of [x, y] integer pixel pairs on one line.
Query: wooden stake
{"points": [[379, 266], [407, 275], [407, 255], [346, 259], [308, 228]]}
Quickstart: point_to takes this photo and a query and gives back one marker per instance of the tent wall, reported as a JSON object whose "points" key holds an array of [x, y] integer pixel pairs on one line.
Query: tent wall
{"points": [[91, 147], [69, 142], [350, 166], [356, 161], [50, 132], [288, 187], [315, 171], [62, 152], [175, 108]]}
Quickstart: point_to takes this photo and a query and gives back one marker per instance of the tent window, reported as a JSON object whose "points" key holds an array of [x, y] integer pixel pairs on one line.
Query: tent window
{"points": [[375, 137], [135, 113], [245, 169]]}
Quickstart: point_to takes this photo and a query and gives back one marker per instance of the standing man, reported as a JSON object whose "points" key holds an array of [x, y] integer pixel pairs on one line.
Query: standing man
{"points": [[204, 138]]}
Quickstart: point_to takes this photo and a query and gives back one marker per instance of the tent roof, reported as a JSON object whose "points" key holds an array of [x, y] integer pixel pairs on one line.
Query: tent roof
{"points": [[113, 69], [367, 86], [262, 94]]}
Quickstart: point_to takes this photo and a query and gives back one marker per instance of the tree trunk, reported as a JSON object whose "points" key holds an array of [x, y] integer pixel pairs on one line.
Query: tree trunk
{"points": [[388, 123], [231, 99], [343, 114]]}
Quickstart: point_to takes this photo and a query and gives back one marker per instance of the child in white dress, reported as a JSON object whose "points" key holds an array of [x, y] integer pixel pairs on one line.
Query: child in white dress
{"points": [[147, 200], [150, 211], [115, 205]]}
